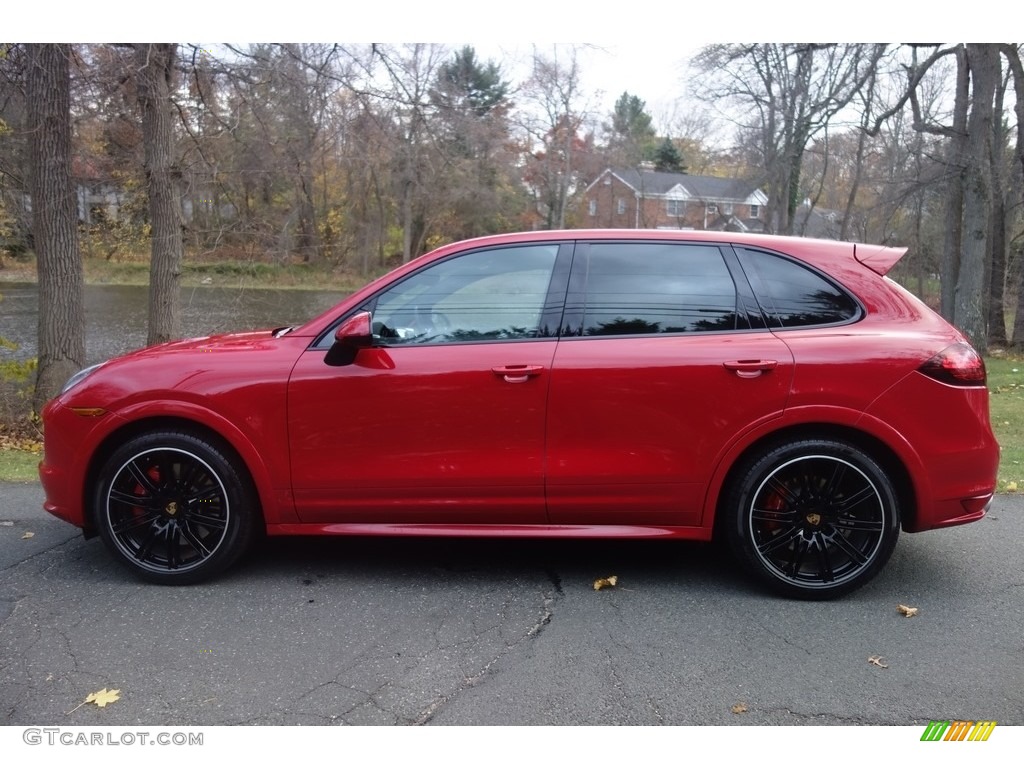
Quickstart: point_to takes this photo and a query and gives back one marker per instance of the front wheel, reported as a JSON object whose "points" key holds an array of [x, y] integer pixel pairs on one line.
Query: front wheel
{"points": [[174, 508], [813, 519]]}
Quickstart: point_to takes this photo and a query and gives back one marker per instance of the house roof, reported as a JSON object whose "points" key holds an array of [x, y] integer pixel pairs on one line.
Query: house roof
{"points": [[683, 185]]}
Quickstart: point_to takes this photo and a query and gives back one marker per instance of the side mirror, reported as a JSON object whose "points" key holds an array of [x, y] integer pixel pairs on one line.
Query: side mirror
{"points": [[355, 331], [353, 334]]}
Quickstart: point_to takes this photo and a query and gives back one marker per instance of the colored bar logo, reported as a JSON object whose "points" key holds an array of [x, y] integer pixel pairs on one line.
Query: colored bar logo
{"points": [[958, 730]]}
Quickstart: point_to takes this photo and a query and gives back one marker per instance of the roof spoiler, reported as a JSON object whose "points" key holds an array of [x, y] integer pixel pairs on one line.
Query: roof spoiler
{"points": [[878, 258]]}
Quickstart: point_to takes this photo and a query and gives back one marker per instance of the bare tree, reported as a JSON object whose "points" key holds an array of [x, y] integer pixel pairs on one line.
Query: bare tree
{"points": [[555, 91], [155, 71], [54, 215], [1013, 58], [412, 71], [968, 308], [790, 92]]}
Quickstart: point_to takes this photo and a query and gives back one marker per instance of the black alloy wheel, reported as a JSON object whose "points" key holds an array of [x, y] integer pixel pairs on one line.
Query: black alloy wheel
{"points": [[813, 519], [173, 508]]}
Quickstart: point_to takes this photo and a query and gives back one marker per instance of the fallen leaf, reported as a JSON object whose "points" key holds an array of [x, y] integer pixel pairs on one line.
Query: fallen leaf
{"points": [[100, 698], [906, 610], [878, 661], [104, 697], [739, 708], [611, 581], [1012, 486], [27, 535]]}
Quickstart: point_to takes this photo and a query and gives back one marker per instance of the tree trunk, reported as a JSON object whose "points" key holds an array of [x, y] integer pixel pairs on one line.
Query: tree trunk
{"points": [[968, 314], [1013, 60], [949, 261], [54, 220], [155, 74], [995, 312]]}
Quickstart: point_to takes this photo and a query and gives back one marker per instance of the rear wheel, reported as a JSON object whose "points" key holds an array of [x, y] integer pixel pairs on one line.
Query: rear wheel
{"points": [[174, 508], [813, 519]]}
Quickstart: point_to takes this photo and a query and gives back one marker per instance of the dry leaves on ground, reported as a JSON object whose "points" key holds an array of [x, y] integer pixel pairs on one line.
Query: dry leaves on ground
{"points": [[611, 581], [906, 610], [101, 698], [878, 661], [739, 708]]}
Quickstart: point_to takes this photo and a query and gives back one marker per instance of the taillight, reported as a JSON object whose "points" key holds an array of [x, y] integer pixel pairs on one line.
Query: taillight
{"points": [[957, 364]]}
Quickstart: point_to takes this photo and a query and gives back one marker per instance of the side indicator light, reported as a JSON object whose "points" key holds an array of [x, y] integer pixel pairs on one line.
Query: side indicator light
{"points": [[93, 412]]}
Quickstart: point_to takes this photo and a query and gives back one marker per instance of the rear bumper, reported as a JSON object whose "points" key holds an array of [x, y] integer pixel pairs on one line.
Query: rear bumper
{"points": [[947, 446]]}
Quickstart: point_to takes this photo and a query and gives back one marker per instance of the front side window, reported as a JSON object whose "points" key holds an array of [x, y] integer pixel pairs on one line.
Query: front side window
{"points": [[490, 295], [675, 207], [654, 288], [793, 295]]}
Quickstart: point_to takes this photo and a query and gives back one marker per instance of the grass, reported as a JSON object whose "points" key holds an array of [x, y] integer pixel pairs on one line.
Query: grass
{"points": [[1006, 404], [19, 466]]}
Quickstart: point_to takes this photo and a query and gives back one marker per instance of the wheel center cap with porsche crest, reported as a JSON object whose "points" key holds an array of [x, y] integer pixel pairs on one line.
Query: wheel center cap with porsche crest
{"points": [[171, 508]]}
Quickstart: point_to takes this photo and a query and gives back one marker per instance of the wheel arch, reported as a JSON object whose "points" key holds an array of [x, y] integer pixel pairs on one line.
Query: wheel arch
{"points": [[874, 446], [246, 456]]}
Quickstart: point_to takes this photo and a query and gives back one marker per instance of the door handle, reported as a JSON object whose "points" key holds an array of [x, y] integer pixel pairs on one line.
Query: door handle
{"points": [[750, 369], [517, 374]]}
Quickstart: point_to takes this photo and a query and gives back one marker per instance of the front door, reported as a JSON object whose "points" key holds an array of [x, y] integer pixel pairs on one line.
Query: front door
{"points": [[442, 420]]}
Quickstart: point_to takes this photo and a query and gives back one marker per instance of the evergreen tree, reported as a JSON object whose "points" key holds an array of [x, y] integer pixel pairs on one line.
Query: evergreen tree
{"points": [[667, 157], [631, 133], [465, 84]]}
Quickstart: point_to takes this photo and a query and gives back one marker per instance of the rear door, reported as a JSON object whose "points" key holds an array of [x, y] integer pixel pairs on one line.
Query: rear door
{"points": [[663, 362]]}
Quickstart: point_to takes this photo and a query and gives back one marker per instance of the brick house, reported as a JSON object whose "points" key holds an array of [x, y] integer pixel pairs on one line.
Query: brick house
{"points": [[645, 199]]}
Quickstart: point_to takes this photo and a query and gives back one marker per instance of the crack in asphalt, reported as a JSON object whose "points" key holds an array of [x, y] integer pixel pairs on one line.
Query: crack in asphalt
{"points": [[784, 639], [34, 555], [470, 681]]}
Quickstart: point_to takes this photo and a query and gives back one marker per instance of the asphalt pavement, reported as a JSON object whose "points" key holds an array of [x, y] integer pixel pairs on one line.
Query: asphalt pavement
{"points": [[476, 632]]}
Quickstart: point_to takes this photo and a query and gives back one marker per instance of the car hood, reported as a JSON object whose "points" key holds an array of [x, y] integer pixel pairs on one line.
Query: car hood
{"points": [[223, 342]]}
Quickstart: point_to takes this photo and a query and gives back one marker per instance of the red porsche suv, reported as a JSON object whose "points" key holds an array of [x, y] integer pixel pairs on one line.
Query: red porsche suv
{"points": [[779, 393]]}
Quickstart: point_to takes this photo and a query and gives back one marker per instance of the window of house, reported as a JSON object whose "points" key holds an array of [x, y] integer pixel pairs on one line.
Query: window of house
{"points": [[727, 209], [592, 207], [712, 208], [674, 207], [755, 211], [655, 288], [620, 206]]}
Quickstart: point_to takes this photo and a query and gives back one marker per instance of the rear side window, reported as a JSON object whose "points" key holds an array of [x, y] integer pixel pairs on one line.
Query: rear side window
{"points": [[653, 288], [794, 296]]}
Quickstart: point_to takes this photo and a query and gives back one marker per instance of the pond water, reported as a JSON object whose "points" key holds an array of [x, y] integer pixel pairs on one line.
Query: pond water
{"points": [[116, 315]]}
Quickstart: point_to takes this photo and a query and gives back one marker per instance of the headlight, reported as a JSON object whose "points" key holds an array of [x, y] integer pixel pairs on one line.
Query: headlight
{"points": [[79, 377]]}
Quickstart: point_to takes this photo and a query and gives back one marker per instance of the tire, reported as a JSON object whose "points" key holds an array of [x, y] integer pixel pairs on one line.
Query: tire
{"points": [[812, 519], [175, 508]]}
